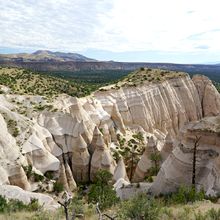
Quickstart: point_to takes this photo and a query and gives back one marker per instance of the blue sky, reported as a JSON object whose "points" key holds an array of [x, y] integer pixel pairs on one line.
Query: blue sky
{"points": [[183, 31]]}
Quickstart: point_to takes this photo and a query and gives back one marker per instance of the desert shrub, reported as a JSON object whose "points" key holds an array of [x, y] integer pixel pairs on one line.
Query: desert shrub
{"points": [[184, 214], [3, 204], [44, 216], [149, 179], [31, 174], [49, 175], [140, 207], [184, 195], [102, 191], [38, 177], [199, 216], [28, 171], [77, 204], [58, 187], [213, 214], [33, 205], [14, 205], [15, 132]]}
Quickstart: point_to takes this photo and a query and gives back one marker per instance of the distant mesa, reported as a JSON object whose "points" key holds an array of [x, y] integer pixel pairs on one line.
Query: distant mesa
{"points": [[44, 56]]}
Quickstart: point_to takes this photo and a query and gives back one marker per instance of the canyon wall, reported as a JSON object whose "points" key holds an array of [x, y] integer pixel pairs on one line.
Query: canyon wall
{"points": [[77, 139]]}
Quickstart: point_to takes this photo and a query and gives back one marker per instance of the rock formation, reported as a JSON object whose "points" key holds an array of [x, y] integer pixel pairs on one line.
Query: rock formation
{"points": [[209, 96], [120, 171], [101, 158], [177, 170], [14, 192], [145, 162], [167, 148], [80, 161], [74, 141]]}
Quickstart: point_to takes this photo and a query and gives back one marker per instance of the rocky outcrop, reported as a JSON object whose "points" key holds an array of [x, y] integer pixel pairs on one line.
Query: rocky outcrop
{"points": [[101, 158], [74, 141], [80, 161], [145, 162], [120, 171], [165, 106], [209, 96], [14, 192], [177, 170], [167, 148]]}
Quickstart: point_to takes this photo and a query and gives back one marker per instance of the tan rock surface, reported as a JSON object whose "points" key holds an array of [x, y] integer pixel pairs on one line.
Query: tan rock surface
{"points": [[101, 158], [145, 162], [120, 171], [178, 167], [209, 96], [14, 192]]}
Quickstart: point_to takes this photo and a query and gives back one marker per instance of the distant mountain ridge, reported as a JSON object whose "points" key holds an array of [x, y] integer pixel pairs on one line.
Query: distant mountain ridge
{"points": [[45, 56], [48, 61]]}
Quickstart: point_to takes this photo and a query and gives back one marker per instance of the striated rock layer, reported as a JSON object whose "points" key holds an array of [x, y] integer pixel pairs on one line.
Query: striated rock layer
{"points": [[177, 170]]}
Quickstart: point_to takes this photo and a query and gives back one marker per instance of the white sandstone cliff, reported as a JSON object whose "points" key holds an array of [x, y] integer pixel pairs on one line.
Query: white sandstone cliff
{"points": [[74, 142]]}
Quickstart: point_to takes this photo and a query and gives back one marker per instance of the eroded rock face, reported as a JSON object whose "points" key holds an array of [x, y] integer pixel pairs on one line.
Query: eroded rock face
{"points": [[209, 96], [14, 192], [80, 161], [145, 162], [167, 147], [178, 168], [101, 158], [73, 141], [120, 171], [165, 106]]}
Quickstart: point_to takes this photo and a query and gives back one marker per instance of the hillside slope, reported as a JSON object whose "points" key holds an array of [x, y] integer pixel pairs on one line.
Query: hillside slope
{"points": [[21, 81]]}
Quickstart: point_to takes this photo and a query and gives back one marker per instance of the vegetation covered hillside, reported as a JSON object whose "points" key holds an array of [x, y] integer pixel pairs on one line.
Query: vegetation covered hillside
{"points": [[145, 75], [91, 76], [22, 81], [79, 84], [150, 75]]}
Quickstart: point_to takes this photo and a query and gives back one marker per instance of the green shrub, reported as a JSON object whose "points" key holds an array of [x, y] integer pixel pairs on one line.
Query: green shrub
{"points": [[78, 205], [28, 171], [213, 214], [102, 190], [3, 204], [14, 205], [140, 207], [38, 177], [199, 216], [16, 132], [33, 205], [58, 187], [184, 195], [49, 175]]}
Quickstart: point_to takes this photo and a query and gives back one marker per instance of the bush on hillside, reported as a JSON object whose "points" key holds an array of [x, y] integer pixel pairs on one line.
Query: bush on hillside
{"points": [[101, 191], [140, 207]]}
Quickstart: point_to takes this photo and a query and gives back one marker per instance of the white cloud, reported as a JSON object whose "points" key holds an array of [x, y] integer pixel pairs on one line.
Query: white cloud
{"points": [[115, 25]]}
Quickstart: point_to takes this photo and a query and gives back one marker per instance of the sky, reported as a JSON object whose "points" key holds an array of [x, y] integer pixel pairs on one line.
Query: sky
{"points": [[179, 31]]}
